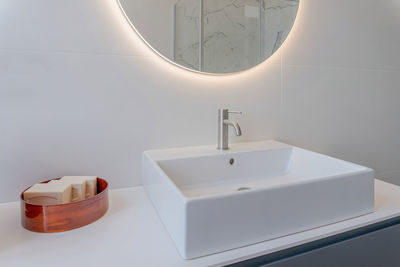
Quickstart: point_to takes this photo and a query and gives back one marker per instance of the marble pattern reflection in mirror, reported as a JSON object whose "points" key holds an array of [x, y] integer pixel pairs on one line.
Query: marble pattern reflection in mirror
{"points": [[213, 36]]}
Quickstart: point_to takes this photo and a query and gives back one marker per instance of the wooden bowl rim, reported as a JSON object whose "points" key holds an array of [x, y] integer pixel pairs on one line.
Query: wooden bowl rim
{"points": [[65, 204]]}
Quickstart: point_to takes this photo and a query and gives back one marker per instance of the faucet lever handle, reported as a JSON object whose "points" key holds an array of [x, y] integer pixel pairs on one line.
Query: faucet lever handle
{"points": [[235, 112]]}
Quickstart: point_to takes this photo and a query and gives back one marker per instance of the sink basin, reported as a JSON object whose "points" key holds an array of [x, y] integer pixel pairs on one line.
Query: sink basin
{"points": [[212, 201]]}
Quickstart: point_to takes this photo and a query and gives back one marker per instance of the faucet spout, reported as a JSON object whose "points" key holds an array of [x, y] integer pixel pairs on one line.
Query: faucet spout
{"points": [[235, 125], [223, 124]]}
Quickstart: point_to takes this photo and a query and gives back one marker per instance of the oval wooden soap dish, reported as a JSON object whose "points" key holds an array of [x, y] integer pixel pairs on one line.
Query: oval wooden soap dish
{"points": [[64, 217]]}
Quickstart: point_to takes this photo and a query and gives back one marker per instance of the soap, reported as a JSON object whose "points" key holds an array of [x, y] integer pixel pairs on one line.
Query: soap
{"points": [[91, 183], [48, 194], [78, 188]]}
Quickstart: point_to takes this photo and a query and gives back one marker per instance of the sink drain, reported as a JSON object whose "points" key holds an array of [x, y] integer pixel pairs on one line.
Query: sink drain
{"points": [[243, 188]]}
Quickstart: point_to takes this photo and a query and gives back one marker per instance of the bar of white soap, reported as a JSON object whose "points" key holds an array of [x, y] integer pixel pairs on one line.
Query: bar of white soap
{"points": [[78, 188], [91, 183], [48, 194]]}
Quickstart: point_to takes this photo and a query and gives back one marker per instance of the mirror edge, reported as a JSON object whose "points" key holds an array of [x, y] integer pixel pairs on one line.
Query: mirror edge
{"points": [[189, 69]]}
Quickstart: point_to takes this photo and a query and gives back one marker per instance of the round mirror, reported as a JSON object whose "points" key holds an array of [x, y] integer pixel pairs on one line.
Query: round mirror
{"points": [[213, 36]]}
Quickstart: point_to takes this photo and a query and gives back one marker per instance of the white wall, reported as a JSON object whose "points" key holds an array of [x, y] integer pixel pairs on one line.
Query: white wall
{"points": [[341, 82], [81, 94], [156, 25]]}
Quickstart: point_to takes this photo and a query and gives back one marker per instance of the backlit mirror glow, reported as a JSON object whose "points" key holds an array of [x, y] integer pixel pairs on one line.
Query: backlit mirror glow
{"points": [[213, 36]]}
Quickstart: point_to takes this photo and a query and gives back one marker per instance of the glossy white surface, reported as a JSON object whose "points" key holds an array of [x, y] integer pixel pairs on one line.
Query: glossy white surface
{"points": [[200, 199], [130, 234]]}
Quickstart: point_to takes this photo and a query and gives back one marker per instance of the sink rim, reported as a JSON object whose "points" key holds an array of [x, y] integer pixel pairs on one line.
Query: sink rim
{"points": [[209, 150], [158, 155]]}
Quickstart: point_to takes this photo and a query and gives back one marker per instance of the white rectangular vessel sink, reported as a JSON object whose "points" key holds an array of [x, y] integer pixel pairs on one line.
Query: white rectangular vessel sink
{"points": [[212, 201]]}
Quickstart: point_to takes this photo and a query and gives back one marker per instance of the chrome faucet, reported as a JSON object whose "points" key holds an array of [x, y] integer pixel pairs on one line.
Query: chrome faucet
{"points": [[223, 123]]}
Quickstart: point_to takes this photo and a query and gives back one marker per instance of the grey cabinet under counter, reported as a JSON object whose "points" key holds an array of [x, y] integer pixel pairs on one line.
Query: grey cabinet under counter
{"points": [[376, 245]]}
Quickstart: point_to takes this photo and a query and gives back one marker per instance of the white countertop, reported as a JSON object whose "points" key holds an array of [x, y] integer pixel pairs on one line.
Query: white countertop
{"points": [[130, 234]]}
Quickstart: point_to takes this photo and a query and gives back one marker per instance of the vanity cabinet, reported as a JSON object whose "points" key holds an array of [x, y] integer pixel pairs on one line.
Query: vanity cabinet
{"points": [[373, 246]]}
